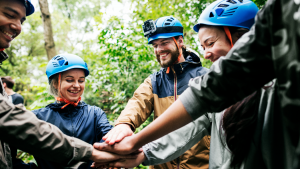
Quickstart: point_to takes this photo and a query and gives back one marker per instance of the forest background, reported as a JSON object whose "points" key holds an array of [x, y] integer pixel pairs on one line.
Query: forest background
{"points": [[108, 35]]}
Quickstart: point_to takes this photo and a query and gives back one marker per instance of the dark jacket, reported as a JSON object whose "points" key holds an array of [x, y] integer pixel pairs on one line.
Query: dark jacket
{"points": [[156, 94], [21, 128], [88, 123]]}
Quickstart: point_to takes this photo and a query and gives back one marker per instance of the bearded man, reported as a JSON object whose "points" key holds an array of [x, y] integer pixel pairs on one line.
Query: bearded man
{"points": [[163, 88]]}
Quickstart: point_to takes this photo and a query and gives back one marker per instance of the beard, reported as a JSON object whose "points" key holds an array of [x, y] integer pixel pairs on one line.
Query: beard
{"points": [[171, 61]]}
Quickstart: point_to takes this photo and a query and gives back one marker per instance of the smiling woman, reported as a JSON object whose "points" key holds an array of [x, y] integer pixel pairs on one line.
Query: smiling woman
{"points": [[71, 86], [66, 74]]}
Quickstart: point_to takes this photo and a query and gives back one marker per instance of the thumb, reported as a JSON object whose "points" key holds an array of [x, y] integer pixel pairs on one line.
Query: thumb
{"points": [[101, 146]]}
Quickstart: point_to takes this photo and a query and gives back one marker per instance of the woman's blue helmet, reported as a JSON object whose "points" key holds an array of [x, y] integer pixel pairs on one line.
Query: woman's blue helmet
{"points": [[63, 62], [29, 7], [236, 13], [164, 27]]}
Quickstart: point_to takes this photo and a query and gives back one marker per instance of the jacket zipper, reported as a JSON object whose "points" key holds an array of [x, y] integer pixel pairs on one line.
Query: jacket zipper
{"points": [[72, 123], [175, 98], [175, 84]]}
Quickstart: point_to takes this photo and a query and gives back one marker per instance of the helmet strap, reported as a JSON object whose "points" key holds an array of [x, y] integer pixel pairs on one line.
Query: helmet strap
{"points": [[62, 99], [228, 34], [168, 69]]}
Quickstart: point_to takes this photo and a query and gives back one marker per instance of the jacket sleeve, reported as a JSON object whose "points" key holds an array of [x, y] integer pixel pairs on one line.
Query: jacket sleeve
{"points": [[250, 58], [22, 129], [139, 107], [174, 144], [103, 125]]}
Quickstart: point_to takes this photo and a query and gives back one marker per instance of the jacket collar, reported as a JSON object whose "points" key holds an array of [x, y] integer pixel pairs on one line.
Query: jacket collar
{"points": [[180, 67], [57, 105]]}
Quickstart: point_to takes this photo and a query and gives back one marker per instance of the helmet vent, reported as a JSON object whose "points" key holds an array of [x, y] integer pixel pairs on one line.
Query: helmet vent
{"points": [[219, 11], [60, 61], [55, 64], [67, 63], [168, 22], [223, 5], [241, 1], [61, 58], [211, 15], [231, 1], [229, 12], [56, 57], [170, 19]]}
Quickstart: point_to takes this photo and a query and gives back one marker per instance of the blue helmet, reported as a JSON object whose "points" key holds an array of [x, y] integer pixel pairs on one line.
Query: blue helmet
{"points": [[166, 27], [236, 13], [29, 7], [63, 62]]}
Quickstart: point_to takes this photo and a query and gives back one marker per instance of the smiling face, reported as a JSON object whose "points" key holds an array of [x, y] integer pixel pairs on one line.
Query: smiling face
{"points": [[214, 42], [72, 84], [12, 15], [166, 51]]}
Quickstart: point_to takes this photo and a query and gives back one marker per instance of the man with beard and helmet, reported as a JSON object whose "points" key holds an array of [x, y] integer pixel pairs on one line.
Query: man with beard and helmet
{"points": [[21, 128], [163, 88]]}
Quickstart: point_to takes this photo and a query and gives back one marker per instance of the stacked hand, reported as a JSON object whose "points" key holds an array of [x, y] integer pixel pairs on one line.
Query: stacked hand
{"points": [[118, 149]]}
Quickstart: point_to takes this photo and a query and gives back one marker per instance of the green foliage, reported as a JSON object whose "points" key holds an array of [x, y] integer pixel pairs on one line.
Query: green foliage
{"points": [[126, 61], [260, 3], [26, 157]]}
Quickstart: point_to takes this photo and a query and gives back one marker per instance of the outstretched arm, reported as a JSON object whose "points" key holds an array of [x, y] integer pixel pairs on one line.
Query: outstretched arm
{"points": [[136, 112], [168, 147], [174, 144], [163, 124], [22, 129]]}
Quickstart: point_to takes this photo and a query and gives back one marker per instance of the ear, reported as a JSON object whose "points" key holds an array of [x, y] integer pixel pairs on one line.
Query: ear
{"points": [[4, 84], [238, 34], [180, 41], [235, 36], [55, 84]]}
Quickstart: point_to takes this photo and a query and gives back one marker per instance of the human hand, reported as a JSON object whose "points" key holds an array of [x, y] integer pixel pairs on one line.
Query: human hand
{"points": [[117, 134], [126, 146], [104, 157], [122, 163]]}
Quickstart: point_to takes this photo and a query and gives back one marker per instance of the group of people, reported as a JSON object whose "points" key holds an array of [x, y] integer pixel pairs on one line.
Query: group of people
{"points": [[240, 113]]}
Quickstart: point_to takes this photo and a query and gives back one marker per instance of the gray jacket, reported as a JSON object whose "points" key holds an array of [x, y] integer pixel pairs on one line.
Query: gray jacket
{"points": [[263, 149], [22, 129], [176, 143]]}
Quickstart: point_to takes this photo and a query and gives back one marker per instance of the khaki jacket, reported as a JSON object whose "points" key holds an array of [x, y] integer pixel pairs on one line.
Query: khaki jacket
{"points": [[156, 94], [22, 129]]}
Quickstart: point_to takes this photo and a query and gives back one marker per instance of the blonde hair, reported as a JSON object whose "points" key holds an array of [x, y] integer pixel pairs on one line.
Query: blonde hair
{"points": [[53, 81]]}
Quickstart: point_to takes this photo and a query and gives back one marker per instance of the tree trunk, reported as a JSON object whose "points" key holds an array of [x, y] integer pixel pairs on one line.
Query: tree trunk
{"points": [[48, 34]]}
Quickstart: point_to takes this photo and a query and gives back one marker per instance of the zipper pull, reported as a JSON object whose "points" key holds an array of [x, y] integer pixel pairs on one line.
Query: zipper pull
{"points": [[181, 67]]}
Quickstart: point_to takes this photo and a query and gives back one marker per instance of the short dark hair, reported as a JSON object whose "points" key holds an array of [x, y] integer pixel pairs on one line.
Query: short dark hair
{"points": [[8, 81]]}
